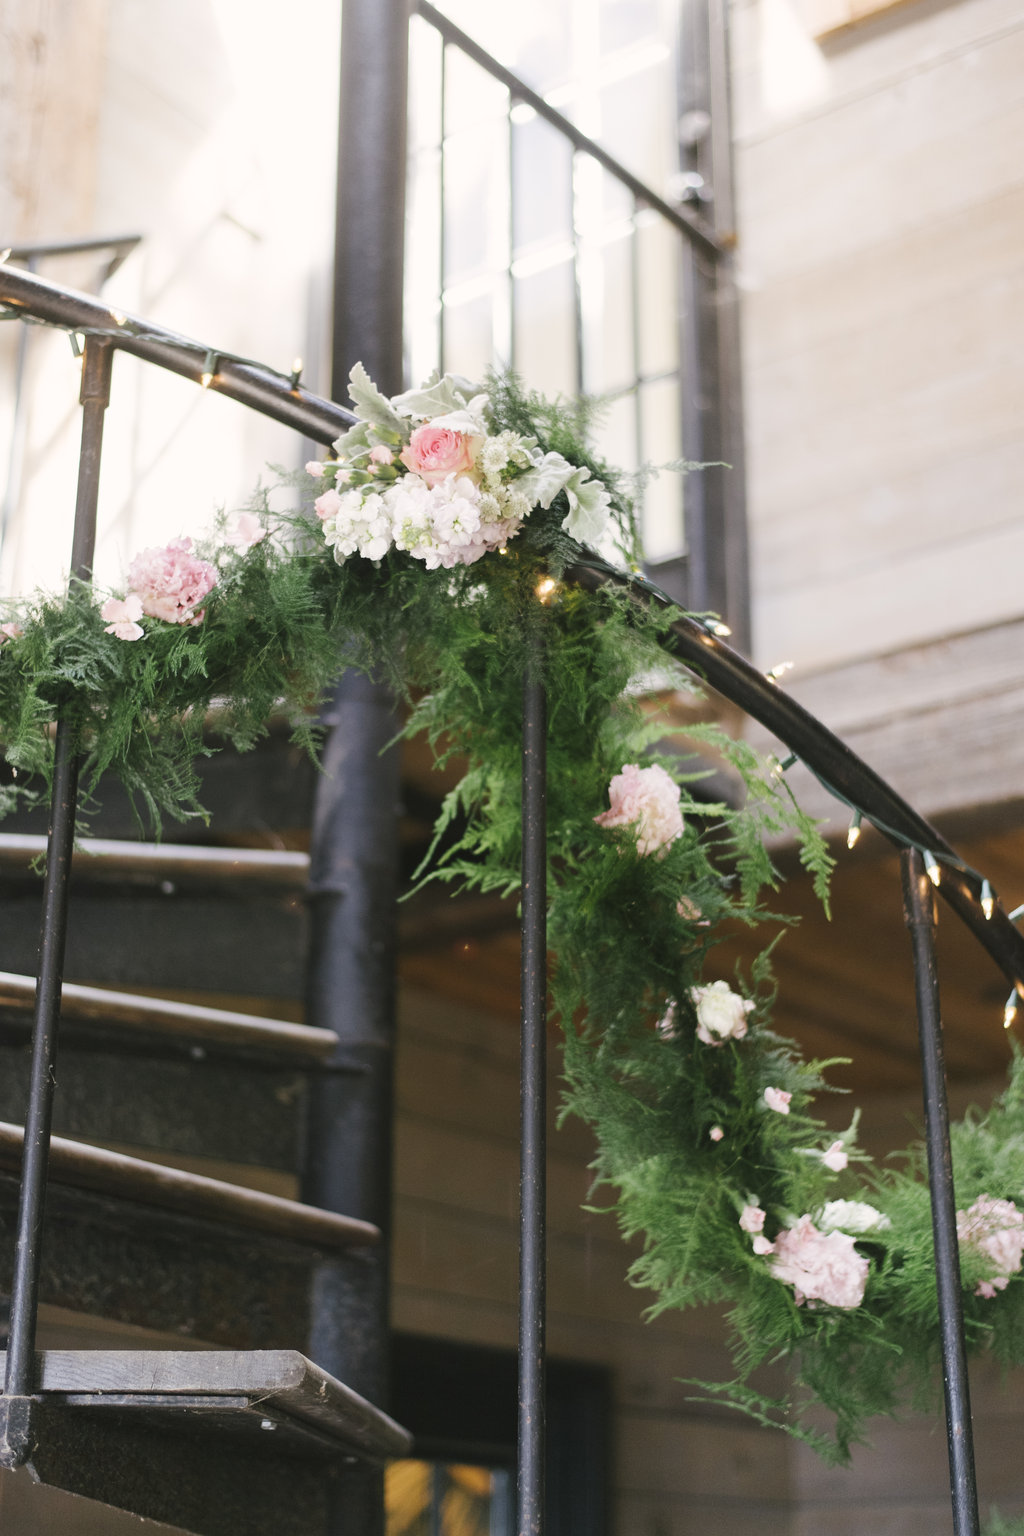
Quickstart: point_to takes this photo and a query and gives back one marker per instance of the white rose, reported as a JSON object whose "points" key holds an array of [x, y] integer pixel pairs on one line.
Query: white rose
{"points": [[721, 1013]]}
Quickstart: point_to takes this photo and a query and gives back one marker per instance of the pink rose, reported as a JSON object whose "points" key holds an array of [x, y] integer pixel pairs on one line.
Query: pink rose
{"points": [[171, 582], [122, 617], [777, 1099], [649, 799], [434, 453], [820, 1266], [994, 1228]]}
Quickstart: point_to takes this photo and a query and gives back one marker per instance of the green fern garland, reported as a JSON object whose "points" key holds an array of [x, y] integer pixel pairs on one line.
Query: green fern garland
{"points": [[708, 1144]]}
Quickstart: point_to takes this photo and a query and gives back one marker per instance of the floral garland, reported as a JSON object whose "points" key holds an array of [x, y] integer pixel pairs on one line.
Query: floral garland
{"points": [[434, 552]]}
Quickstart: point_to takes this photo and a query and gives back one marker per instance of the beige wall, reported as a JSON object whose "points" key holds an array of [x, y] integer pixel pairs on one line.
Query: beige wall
{"points": [[881, 219]]}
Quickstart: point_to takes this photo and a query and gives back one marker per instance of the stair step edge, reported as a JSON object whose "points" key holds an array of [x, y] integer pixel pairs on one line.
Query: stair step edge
{"points": [[83, 1166], [131, 1010]]}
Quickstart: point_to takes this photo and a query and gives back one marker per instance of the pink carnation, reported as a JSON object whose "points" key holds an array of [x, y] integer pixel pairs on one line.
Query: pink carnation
{"points": [[994, 1228], [381, 454], [820, 1266], [122, 617], [171, 582], [434, 453], [649, 799]]}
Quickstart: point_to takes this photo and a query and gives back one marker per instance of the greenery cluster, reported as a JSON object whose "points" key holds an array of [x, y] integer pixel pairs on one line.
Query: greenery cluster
{"points": [[631, 934]]}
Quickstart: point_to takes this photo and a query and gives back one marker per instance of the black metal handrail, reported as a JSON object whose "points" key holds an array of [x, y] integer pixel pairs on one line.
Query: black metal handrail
{"points": [[693, 642]]}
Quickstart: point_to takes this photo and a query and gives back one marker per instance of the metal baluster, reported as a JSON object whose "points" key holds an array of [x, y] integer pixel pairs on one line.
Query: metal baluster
{"points": [[532, 1186], [96, 369], [919, 914]]}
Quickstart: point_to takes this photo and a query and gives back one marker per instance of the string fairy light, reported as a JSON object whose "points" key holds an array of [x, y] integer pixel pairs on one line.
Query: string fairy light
{"points": [[988, 904], [931, 865], [545, 587], [853, 834], [779, 670], [210, 366], [296, 373]]}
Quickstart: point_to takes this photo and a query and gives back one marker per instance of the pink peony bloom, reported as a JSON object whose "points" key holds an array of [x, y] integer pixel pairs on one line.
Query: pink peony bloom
{"points": [[820, 1266], [171, 582], [122, 617], [777, 1099], [752, 1218], [716, 1133], [835, 1158], [649, 799], [11, 631], [434, 453], [721, 1013], [245, 531], [994, 1228]]}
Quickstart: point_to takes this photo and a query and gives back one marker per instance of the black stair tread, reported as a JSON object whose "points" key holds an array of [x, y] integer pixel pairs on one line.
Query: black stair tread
{"points": [[243, 1390], [167, 861], [190, 1194], [155, 1014]]}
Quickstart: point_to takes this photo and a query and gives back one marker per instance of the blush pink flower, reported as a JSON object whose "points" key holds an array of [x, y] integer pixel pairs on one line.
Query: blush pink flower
{"points": [[777, 1099], [752, 1218], [761, 1245], [381, 454], [994, 1228], [245, 531], [122, 617], [314, 468], [11, 631], [171, 582], [820, 1266], [434, 453], [647, 798], [716, 1133], [835, 1157]]}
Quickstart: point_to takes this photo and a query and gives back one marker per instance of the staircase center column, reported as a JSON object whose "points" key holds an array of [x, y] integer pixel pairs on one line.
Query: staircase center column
{"points": [[354, 854]]}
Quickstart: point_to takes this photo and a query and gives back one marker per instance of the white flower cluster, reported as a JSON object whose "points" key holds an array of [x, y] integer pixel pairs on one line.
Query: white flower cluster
{"points": [[451, 523], [420, 473]]}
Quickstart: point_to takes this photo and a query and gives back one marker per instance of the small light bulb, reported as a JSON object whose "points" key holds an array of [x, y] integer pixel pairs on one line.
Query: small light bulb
{"points": [[720, 628], [1010, 1011], [209, 369], [853, 835], [296, 374], [118, 318], [931, 865], [5, 254], [503, 550], [779, 670], [545, 587], [988, 904]]}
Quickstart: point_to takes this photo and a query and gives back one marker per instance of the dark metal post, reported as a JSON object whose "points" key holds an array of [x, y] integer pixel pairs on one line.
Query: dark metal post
{"points": [[919, 913], [716, 569], [95, 396], [354, 853], [533, 1183]]}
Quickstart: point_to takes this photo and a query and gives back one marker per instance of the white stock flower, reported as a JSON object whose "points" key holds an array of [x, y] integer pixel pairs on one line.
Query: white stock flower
{"points": [[851, 1216]]}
